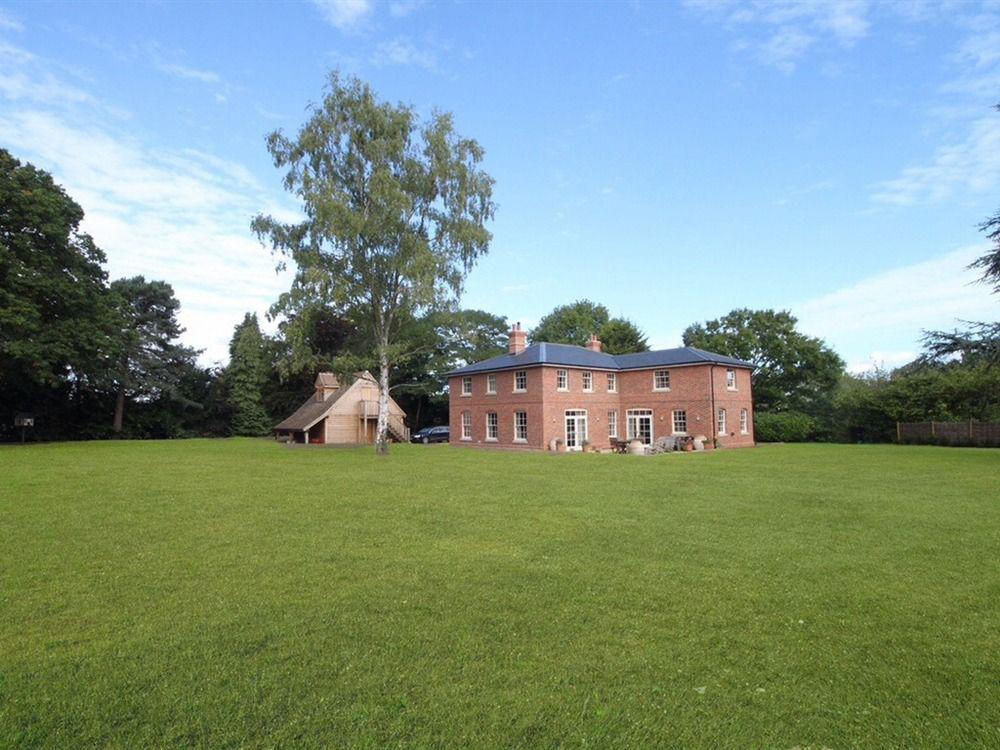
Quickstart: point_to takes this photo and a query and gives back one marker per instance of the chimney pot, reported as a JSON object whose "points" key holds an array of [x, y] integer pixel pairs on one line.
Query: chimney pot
{"points": [[594, 344], [518, 339]]}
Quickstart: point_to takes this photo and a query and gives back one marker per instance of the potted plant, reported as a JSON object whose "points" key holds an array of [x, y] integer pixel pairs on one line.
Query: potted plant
{"points": [[587, 447]]}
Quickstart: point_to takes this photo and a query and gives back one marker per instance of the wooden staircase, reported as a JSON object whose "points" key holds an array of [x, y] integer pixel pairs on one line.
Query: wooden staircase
{"points": [[398, 430]]}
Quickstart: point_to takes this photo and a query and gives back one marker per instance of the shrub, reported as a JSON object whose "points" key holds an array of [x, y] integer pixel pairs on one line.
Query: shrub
{"points": [[784, 427]]}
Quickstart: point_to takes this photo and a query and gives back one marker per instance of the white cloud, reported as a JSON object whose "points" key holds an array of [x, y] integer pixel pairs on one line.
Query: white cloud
{"points": [[193, 74], [789, 27], [344, 14], [895, 306], [970, 165], [880, 360], [400, 51], [178, 215], [9, 23], [403, 8]]}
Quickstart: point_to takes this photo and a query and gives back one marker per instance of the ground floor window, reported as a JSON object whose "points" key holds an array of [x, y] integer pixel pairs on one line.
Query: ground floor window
{"points": [[613, 424], [744, 422], [680, 421], [521, 426], [720, 419], [466, 425], [491, 425], [639, 425]]}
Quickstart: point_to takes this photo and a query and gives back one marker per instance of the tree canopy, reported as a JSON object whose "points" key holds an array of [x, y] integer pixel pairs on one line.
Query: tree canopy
{"points": [[396, 212], [575, 322], [246, 376], [792, 371]]}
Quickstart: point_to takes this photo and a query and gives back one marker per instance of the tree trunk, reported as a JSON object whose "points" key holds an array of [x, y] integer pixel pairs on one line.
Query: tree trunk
{"points": [[119, 411], [382, 429]]}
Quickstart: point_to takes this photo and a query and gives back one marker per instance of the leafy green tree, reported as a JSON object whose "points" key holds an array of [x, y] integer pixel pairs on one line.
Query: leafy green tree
{"points": [[793, 372], [150, 362], [56, 318], [246, 376], [574, 323], [396, 211]]}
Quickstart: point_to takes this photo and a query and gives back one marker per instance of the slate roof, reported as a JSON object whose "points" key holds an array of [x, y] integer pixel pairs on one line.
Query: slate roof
{"points": [[580, 356], [310, 412]]}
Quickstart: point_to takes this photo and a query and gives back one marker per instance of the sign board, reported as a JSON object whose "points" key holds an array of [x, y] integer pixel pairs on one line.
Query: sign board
{"points": [[24, 420]]}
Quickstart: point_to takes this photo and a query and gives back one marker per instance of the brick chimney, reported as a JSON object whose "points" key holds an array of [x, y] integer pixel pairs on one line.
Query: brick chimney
{"points": [[594, 343], [518, 340]]}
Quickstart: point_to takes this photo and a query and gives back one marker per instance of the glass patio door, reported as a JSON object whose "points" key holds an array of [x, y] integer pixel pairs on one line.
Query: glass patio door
{"points": [[639, 423], [576, 429]]}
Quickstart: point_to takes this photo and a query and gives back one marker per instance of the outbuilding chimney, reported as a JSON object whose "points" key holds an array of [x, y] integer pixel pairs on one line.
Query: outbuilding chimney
{"points": [[326, 383], [518, 340], [594, 343]]}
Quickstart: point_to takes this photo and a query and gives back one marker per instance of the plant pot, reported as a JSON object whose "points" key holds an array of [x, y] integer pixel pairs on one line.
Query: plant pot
{"points": [[687, 447]]}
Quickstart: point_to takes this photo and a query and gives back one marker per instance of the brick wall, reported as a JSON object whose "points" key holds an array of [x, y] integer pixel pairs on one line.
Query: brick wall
{"points": [[691, 389]]}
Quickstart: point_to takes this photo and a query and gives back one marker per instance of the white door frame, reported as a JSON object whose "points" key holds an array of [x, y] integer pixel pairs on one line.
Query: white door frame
{"points": [[633, 414], [579, 431]]}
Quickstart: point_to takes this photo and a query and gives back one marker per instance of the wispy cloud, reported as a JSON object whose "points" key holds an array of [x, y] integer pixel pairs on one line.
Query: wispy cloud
{"points": [[780, 32], [9, 23], [403, 8], [897, 304], [969, 165], [180, 215], [191, 74], [401, 51], [344, 14]]}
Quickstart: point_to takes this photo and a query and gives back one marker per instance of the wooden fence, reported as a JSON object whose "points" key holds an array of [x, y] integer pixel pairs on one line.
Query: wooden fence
{"points": [[949, 433]]}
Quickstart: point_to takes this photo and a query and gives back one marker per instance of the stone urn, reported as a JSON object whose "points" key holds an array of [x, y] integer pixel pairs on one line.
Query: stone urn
{"points": [[636, 448]]}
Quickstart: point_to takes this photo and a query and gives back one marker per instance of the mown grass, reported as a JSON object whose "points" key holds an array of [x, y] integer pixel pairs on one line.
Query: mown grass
{"points": [[242, 594]]}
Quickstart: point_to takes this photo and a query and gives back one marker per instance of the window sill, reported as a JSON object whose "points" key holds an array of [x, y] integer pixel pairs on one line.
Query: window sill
{"points": [[520, 440], [732, 390], [562, 390], [520, 390], [466, 440], [491, 440], [588, 390], [661, 390], [490, 393], [466, 395], [679, 434]]}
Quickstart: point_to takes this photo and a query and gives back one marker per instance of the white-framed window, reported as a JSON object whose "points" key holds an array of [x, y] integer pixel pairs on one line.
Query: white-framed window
{"points": [[467, 385], [466, 425], [491, 384], [680, 422], [520, 381], [613, 424], [588, 381], [730, 379], [720, 421], [562, 380], [520, 427], [639, 425], [744, 421], [612, 382], [492, 425], [661, 380]]}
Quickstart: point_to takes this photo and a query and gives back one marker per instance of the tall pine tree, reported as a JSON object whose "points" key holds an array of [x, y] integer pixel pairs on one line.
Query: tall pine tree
{"points": [[246, 376]]}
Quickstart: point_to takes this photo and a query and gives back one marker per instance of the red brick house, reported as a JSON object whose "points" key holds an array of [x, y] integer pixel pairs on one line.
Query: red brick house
{"points": [[533, 394]]}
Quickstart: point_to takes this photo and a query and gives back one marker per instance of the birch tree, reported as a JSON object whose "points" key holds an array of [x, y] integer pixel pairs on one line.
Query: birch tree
{"points": [[395, 215]]}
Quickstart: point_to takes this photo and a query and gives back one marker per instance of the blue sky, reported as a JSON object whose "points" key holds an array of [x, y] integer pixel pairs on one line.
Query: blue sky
{"points": [[673, 161]]}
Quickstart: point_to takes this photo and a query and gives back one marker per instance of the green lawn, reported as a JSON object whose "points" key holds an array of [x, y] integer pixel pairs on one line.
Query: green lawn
{"points": [[242, 594]]}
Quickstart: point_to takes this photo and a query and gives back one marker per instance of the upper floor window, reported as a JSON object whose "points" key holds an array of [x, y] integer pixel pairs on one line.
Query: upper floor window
{"points": [[612, 382], [731, 379], [720, 419], [520, 426], [466, 425], [491, 425], [520, 380], [562, 380], [661, 380], [467, 385], [680, 421], [491, 383], [588, 381], [744, 421]]}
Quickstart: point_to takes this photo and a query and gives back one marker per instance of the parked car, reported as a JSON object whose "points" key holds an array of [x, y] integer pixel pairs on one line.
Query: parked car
{"points": [[431, 435]]}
